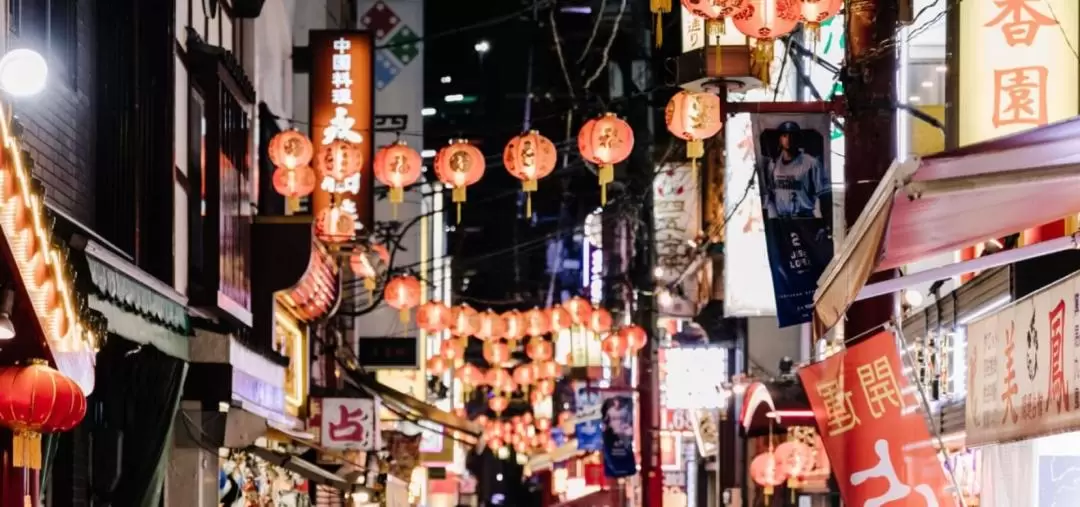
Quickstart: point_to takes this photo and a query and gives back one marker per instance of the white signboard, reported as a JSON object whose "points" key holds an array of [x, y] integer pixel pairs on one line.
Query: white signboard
{"points": [[692, 377], [1024, 368], [677, 216], [349, 423]]}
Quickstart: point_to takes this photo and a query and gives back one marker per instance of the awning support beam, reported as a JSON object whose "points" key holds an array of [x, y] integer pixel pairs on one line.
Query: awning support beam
{"points": [[983, 182], [986, 262]]}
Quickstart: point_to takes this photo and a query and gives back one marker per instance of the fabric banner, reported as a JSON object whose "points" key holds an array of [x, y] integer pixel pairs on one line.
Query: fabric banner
{"points": [[1024, 368], [873, 428], [796, 195], [587, 418], [618, 420]]}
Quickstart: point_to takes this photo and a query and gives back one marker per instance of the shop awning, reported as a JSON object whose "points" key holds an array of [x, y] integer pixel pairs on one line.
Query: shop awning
{"points": [[774, 406], [292, 267], [953, 200], [468, 431], [558, 455], [306, 469]]}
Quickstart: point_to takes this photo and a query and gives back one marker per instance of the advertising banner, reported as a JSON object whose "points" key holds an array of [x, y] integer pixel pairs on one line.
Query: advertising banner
{"points": [[587, 418], [617, 412], [349, 423], [874, 431], [1024, 368], [796, 196]]}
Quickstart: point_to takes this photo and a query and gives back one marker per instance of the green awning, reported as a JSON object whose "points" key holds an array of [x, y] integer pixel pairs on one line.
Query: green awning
{"points": [[116, 287]]}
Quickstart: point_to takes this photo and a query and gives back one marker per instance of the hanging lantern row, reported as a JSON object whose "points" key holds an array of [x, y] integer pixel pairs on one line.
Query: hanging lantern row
{"points": [[511, 326]]}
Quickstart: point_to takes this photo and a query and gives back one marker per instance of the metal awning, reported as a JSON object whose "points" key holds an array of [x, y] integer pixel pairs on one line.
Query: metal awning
{"points": [[952, 200], [467, 431], [305, 469]]}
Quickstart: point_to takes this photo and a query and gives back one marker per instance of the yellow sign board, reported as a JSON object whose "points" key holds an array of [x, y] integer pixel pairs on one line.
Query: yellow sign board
{"points": [[1018, 67]]}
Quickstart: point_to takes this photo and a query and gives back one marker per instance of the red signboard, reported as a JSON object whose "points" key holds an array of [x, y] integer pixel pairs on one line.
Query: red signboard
{"points": [[873, 428]]}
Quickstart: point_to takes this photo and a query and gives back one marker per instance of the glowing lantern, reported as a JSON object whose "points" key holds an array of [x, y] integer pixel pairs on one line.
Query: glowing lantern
{"points": [[471, 376], [37, 399], [496, 353], [521, 446], [766, 471], [536, 322], [543, 424], [795, 458], [339, 160], [559, 319], [463, 320], [549, 370], [403, 294], [335, 225], [433, 317], [524, 375], [615, 346], [290, 150], [514, 327], [635, 337], [499, 379], [816, 12], [498, 404], [579, 309], [764, 21], [600, 321], [436, 366], [529, 157], [693, 117], [397, 166], [715, 12], [546, 386], [294, 183], [539, 349], [495, 443], [459, 165], [491, 326], [365, 265], [453, 349], [606, 141]]}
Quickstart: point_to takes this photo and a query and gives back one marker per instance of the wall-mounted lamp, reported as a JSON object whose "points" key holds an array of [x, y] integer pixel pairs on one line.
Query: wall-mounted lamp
{"points": [[23, 72], [7, 304]]}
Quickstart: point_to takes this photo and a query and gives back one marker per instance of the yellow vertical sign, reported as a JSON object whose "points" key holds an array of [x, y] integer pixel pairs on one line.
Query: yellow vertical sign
{"points": [[1018, 66]]}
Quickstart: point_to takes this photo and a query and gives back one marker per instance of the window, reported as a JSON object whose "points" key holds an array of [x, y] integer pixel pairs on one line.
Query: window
{"points": [[196, 146], [51, 26]]}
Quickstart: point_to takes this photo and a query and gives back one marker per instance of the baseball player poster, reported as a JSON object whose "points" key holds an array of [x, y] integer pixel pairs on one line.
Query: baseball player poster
{"points": [[796, 196]]}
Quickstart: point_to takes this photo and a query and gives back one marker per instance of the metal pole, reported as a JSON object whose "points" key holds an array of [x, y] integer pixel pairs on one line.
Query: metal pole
{"points": [[870, 91]]}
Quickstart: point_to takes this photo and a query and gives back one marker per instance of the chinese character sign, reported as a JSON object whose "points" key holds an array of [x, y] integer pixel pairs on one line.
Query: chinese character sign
{"points": [[873, 429], [1017, 67], [677, 218], [342, 109], [793, 173], [349, 423], [1024, 368]]}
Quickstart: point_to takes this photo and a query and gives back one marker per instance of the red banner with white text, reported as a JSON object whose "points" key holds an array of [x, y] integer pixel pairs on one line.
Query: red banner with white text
{"points": [[874, 430]]}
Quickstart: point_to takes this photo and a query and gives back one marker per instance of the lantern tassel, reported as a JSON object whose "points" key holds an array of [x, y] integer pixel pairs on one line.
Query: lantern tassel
{"points": [[695, 149], [369, 284], [761, 61], [458, 196], [397, 195], [606, 175], [714, 30], [528, 205], [26, 450], [659, 8], [404, 315]]}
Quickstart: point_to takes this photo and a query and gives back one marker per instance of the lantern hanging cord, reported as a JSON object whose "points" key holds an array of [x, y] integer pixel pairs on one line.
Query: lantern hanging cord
{"points": [[497, 20]]}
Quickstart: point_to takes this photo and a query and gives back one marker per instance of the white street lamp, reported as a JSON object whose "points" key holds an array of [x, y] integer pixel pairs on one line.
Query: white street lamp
{"points": [[23, 72]]}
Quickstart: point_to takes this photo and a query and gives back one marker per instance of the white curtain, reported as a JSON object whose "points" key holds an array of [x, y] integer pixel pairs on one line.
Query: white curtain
{"points": [[1008, 475]]}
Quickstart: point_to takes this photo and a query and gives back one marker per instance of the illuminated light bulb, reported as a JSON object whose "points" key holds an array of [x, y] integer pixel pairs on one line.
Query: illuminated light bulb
{"points": [[23, 72], [664, 298]]}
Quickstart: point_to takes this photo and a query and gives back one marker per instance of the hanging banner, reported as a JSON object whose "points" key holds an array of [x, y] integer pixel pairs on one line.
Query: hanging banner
{"points": [[873, 428], [796, 196], [617, 412], [1024, 368], [677, 217], [587, 418]]}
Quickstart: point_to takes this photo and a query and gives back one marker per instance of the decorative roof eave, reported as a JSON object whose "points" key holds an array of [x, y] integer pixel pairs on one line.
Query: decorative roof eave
{"points": [[231, 66], [71, 331], [316, 294]]}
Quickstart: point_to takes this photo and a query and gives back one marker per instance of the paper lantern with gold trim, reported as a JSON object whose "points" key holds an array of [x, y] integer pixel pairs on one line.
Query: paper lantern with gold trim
{"points": [[605, 141], [294, 183], [397, 166], [496, 352], [693, 117], [539, 349], [335, 225], [514, 325], [36, 399], [537, 322], [464, 320], [767, 472], [765, 21], [433, 317], [453, 349], [816, 12], [579, 309], [529, 157], [600, 321], [403, 294], [290, 150], [339, 160], [459, 165], [714, 12], [491, 326], [635, 337]]}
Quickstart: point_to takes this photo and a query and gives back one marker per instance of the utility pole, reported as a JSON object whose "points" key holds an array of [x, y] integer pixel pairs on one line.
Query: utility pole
{"points": [[870, 125]]}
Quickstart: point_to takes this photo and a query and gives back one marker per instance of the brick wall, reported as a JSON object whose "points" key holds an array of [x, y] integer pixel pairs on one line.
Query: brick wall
{"points": [[59, 127]]}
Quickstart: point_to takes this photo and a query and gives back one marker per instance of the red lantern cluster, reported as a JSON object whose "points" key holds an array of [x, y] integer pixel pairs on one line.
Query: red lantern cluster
{"points": [[291, 152], [36, 399]]}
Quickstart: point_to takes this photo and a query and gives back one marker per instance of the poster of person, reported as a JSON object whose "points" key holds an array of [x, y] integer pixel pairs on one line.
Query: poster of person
{"points": [[587, 417], [617, 416], [796, 197]]}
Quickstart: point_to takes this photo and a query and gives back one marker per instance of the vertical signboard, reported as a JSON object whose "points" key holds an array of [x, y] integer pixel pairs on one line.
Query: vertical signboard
{"points": [[342, 107], [677, 216], [1017, 66]]}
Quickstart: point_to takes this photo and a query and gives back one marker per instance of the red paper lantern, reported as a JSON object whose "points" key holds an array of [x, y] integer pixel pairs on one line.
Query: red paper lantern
{"points": [[294, 183], [403, 293], [335, 225], [496, 353], [459, 165], [600, 321], [816, 12], [433, 317], [37, 399], [524, 375], [635, 337], [339, 160], [546, 386], [537, 397], [464, 320], [499, 379], [453, 349], [550, 370], [437, 366], [397, 166], [764, 21], [491, 326], [537, 322], [795, 458], [543, 424], [714, 12], [693, 117], [539, 349], [605, 141], [559, 319], [529, 157], [290, 150], [513, 326], [579, 309], [471, 376], [766, 471], [615, 346], [498, 404]]}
